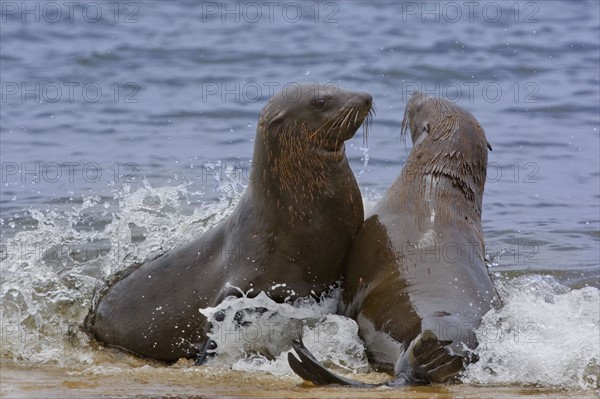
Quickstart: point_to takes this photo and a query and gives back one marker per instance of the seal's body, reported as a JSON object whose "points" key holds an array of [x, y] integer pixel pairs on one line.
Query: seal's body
{"points": [[287, 236], [416, 280]]}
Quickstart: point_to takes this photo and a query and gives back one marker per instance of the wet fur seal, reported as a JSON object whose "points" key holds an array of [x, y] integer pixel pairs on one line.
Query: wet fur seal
{"points": [[416, 281], [287, 236]]}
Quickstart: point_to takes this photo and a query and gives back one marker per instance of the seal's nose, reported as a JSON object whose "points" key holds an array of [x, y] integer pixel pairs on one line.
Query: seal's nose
{"points": [[368, 98]]}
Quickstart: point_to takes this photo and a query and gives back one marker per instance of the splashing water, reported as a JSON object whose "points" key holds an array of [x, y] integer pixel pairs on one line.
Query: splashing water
{"points": [[546, 334], [364, 158], [256, 333], [50, 271]]}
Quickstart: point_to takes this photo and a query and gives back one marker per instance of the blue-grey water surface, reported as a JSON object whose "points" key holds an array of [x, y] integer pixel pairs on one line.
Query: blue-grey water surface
{"points": [[157, 91], [182, 84]]}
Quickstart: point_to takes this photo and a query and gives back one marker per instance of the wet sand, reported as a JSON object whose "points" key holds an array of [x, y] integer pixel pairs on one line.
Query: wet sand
{"points": [[124, 381]]}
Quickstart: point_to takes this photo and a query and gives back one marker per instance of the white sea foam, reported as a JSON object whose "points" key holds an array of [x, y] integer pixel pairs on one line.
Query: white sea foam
{"points": [[50, 271], [256, 333], [546, 334]]}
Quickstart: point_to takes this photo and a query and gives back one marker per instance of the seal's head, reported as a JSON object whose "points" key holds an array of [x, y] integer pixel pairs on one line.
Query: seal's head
{"points": [[425, 115], [448, 143], [318, 116]]}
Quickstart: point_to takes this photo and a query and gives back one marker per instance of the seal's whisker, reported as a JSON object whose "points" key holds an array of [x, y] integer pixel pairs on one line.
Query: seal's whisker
{"points": [[321, 128], [315, 133], [356, 115], [367, 126], [331, 123], [335, 126], [339, 117], [348, 118], [345, 119], [337, 121], [342, 121]]}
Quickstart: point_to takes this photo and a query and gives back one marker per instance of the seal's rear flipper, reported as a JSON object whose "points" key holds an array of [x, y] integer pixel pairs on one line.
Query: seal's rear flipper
{"points": [[309, 368], [428, 360]]}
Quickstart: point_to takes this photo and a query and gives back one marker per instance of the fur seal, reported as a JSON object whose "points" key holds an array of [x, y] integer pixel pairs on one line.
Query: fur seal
{"points": [[287, 236], [416, 281]]}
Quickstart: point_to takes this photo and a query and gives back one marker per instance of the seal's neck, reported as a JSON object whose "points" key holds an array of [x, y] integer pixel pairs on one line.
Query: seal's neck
{"points": [[290, 172], [434, 175]]}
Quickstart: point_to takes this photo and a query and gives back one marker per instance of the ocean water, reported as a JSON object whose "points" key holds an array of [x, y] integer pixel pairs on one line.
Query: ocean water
{"points": [[127, 128]]}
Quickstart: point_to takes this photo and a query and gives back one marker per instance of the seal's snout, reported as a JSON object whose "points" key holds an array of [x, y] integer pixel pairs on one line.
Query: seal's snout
{"points": [[359, 100], [367, 98]]}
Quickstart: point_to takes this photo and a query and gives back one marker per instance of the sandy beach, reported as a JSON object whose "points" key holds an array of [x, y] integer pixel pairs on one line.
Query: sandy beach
{"points": [[122, 381]]}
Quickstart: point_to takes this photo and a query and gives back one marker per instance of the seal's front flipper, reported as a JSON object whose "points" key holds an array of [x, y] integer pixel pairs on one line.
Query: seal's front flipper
{"points": [[309, 368], [428, 360]]}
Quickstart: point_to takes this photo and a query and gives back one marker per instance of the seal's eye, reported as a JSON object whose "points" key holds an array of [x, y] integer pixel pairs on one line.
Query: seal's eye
{"points": [[320, 103]]}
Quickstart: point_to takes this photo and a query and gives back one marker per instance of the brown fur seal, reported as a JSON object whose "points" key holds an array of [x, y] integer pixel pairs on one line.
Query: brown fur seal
{"points": [[287, 236], [416, 280]]}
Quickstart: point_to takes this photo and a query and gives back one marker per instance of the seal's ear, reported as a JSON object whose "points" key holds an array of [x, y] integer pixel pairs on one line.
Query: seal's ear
{"points": [[425, 127], [489, 145], [421, 138], [424, 132], [277, 118]]}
